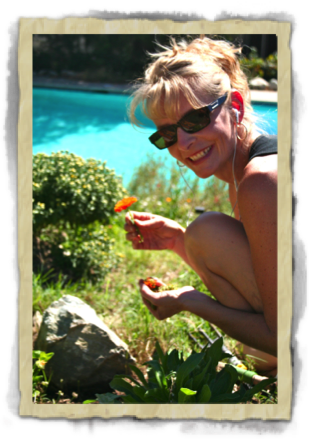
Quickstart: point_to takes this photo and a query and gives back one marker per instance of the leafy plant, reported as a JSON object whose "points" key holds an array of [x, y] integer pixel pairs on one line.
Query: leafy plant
{"points": [[256, 66], [69, 189], [171, 379], [84, 253], [40, 381]]}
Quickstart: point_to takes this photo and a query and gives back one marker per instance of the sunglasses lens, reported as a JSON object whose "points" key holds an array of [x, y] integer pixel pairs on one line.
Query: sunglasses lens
{"points": [[191, 123], [164, 138], [196, 120]]}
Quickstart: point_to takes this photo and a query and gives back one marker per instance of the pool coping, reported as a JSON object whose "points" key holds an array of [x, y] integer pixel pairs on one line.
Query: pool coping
{"points": [[261, 96]]}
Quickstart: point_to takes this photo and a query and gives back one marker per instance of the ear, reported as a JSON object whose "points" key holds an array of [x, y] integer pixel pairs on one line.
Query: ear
{"points": [[238, 103]]}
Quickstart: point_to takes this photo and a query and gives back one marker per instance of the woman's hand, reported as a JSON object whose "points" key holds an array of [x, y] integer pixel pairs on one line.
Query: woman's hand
{"points": [[163, 304], [158, 232]]}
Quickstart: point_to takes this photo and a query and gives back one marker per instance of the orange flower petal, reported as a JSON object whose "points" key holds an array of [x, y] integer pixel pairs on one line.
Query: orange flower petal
{"points": [[124, 203], [151, 283]]}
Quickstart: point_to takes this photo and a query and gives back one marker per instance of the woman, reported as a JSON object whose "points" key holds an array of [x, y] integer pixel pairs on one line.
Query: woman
{"points": [[199, 100]]}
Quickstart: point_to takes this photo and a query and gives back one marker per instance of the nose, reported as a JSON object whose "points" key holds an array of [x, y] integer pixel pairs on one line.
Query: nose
{"points": [[184, 139]]}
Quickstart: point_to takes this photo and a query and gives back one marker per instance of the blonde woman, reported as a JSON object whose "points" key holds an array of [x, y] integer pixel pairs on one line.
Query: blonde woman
{"points": [[198, 97]]}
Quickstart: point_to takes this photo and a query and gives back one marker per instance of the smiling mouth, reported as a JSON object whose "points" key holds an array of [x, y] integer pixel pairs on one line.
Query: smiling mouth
{"points": [[201, 154]]}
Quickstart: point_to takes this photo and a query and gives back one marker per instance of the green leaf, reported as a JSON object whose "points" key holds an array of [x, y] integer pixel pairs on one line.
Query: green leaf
{"points": [[126, 376], [173, 360], [162, 356], [257, 388], [120, 384], [89, 401], [130, 399], [140, 392], [201, 377], [186, 395], [185, 369], [37, 378], [139, 374], [46, 356], [215, 353], [189, 383], [36, 354], [224, 382], [154, 368], [230, 397], [156, 396], [204, 395]]}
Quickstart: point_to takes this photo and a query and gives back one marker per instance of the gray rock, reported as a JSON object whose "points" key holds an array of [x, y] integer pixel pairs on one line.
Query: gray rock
{"points": [[87, 354], [273, 84], [258, 83]]}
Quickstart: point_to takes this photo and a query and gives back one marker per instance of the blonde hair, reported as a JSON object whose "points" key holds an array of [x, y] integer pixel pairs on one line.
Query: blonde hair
{"points": [[197, 69]]}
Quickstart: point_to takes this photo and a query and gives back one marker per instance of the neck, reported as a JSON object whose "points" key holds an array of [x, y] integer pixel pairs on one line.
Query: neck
{"points": [[234, 170]]}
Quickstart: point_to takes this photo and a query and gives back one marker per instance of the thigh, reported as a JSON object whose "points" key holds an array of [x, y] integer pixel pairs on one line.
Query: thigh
{"points": [[218, 250]]}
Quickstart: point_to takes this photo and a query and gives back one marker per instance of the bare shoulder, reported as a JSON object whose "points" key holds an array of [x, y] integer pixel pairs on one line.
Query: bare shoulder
{"points": [[264, 166], [257, 198], [259, 182]]}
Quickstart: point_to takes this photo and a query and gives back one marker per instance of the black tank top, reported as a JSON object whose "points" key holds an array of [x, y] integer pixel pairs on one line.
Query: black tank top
{"points": [[263, 146]]}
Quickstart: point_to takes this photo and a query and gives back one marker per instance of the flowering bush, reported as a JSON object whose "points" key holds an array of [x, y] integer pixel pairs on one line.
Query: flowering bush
{"points": [[73, 199], [67, 188], [87, 253]]}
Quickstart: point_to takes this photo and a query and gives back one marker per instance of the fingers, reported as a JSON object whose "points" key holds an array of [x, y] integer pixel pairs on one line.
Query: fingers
{"points": [[147, 297], [141, 216], [148, 294]]}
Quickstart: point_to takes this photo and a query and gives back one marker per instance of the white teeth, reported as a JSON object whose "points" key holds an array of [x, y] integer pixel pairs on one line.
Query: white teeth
{"points": [[199, 155]]}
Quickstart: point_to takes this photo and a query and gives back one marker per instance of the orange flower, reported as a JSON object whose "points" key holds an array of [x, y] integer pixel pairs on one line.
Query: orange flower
{"points": [[168, 199], [151, 283], [124, 203]]}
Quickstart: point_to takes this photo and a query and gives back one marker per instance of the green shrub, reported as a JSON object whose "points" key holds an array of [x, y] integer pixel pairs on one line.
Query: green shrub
{"points": [[82, 254], [254, 66], [67, 188]]}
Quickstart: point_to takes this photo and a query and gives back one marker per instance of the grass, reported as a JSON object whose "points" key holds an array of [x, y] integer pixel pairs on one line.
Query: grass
{"points": [[117, 300]]}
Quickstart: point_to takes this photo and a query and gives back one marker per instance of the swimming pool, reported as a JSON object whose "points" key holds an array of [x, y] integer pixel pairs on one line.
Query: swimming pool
{"points": [[95, 125]]}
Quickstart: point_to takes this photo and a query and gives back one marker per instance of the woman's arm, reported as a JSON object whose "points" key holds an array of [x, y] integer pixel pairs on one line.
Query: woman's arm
{"points": [[257, 198]]}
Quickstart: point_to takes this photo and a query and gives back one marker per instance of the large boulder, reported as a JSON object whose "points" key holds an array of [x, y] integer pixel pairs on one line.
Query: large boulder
{"points": [[258, 84], [87, 354]]}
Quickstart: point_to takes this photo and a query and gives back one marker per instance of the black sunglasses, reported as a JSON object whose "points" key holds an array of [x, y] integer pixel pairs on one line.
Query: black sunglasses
{"points": [[192, 122]]}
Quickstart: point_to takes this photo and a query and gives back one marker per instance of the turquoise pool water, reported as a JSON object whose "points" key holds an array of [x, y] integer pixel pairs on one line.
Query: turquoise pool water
{"points": [[94, 125]]}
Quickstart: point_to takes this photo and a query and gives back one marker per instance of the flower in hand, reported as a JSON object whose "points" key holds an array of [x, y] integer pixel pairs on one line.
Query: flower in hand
{"points": [[125, 203], [166, 302]]}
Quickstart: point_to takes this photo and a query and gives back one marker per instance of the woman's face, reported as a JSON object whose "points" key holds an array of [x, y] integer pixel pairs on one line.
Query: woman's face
{"points": [[206, 152]]}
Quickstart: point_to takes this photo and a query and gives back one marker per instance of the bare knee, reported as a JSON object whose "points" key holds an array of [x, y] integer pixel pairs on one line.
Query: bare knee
{"points": [[204, 232], [207, 219]]}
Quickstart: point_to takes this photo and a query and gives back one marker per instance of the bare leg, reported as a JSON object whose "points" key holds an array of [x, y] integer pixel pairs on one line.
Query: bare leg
{"points": [[219, 252], [263, 362]]}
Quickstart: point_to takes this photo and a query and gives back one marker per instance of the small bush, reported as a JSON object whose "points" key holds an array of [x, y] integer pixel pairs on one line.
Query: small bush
{"points": [[67, 188], [73, 199], [265, 68], [81, 254]]}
